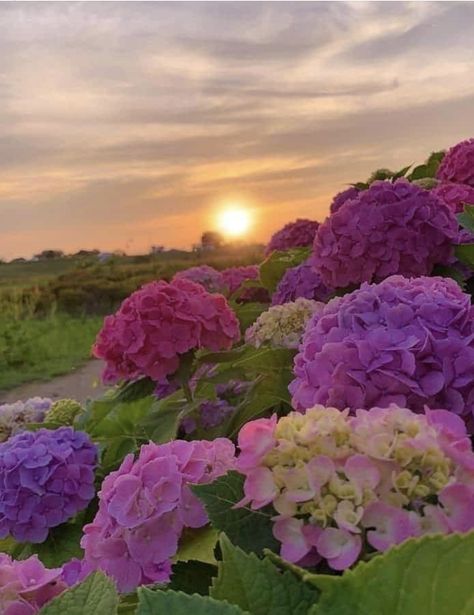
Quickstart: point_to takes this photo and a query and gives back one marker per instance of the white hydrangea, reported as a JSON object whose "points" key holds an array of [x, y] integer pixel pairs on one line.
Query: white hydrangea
{"points": [[13, 417], [282, 326]]}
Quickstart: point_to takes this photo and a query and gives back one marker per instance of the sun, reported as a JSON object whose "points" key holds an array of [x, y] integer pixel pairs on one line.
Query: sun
{"points": [[234, 220]]}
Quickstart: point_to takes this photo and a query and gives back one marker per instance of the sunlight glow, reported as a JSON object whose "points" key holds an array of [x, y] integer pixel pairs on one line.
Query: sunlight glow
{"points": [[235, 220]]}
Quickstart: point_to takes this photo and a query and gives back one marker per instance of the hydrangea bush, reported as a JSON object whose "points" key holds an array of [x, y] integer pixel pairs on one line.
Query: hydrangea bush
{"points": [[295, 234], [458, 164], [205, 275], [455, 195], [344, 486], [301, 281], [15, 417], [341, 197]]}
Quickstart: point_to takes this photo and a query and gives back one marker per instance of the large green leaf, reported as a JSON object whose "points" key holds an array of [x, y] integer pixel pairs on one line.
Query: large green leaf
{"points": [[465, 253], [197, 545], [61, 545], [249, 529], [273, 268], [466, 219], [94, 596], [427, 576], [178, 603], [192, 577], [257, 586]]}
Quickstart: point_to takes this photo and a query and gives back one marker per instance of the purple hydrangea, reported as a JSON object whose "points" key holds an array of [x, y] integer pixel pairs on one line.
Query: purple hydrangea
{"points": [[341, 197], [455, 195], [403, 341], [390, 228], [205, 275], [299, 233], [146, 504], [458, 164], [46, 477], [301, 281], [16, 416], [211, 413]]}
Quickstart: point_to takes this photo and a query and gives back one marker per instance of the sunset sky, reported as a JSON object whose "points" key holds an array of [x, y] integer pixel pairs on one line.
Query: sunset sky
{"points": [[126, 124]]}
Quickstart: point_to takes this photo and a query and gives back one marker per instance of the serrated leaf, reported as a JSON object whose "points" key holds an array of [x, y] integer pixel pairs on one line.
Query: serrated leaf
{"points": [[197, 545], [274, 266], [247, 313], [96, 595], [427, 576], [179, 603], [257, 586], [249, 529]]}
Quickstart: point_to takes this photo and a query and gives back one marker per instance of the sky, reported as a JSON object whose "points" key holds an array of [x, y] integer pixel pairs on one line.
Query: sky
{"points": [[127, 124]]}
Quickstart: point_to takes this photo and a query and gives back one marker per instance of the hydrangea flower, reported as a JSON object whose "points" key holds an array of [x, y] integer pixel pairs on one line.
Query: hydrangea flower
{"points": [[64, 411], [341, 197], [301, 281], [404, 341], [455, 195], [282, 326], [145, 505], [159, 323], [25, 586], [205, 275], [299, 233], [210, 414], [15, 417], [458, 164], [234, 277], [390, 228], [46, 477], [343, 485]]}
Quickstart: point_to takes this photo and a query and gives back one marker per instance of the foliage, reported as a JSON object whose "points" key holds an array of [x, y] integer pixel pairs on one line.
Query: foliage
{"points": [[95, 596]]}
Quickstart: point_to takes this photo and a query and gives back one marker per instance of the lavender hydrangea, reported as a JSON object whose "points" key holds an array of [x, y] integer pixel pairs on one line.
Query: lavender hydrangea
{"points": [[458, 164], [390, 228], [455, 195], [205, 275], [342, 197], [301, 281], [15, 417], [46, 477], [299, 233], [210, 414], [403, 341]]}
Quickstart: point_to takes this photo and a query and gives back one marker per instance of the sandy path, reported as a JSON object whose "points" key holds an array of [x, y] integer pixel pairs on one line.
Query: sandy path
{"points": [[81, 384]]}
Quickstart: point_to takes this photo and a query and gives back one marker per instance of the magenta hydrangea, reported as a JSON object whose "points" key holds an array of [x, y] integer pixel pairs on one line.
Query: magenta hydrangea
{"points": [[297, 234], [390, 228], [146, 504], [205, 275], [458, 164], [159, 323], [403, 341], [343, 486], [341, 198], [46, 477], [27, 585], [234, 277], [301, 281], [455, 195]]}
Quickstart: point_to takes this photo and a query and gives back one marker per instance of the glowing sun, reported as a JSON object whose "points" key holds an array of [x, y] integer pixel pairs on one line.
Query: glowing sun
{"points": [[234, 220]]}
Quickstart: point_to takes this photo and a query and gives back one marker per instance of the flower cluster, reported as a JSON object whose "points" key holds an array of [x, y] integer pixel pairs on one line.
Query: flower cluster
{"points": [[455, 195], [234, 277], [145, 505], [301, 281], [343, 485], [205, 275], [295, 234], [25, 586], [406, 341], [46, 477], [282, 326], [389, 228], [458, 164], [211, 413], [64, 412], [15, 417], [341, 197], [159, 323]]}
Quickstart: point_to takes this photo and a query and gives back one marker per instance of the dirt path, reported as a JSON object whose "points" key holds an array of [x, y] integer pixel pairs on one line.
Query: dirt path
{"points": [[80, 384]]}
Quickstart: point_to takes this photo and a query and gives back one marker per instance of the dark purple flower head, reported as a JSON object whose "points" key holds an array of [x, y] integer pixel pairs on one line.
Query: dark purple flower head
{"points": [[208, 277], [342, 197], [403, 341], [301, 281], [297, 234], [455, 195], [211, 413], [458, 164], [390, 228], [46, 477], [159, 323]]}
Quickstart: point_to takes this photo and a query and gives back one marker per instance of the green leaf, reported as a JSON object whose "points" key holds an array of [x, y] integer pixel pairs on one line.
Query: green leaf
{"points": [[249, 529], [247, 313], [61, 545], [466, 219], [465, 253], [402, 172], [427, 576], [257, 586], [198, 545], [96, 595], [275, 265], [192, 577], [177, 603]]}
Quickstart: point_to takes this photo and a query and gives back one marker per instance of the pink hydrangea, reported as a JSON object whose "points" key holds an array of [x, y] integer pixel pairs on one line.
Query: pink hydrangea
{"points": [[342, 485], [27, 585], [458, 164], [390, 228], [205, 275], [146, 504], [159, 323], [234, 277], [297, 234], [455, 195]]}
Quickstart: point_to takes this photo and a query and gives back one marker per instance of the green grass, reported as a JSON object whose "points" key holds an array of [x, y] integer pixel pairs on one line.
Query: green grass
{"points": [[38, 349]]}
